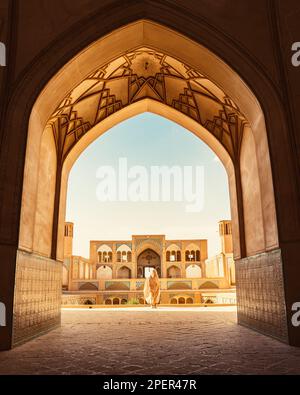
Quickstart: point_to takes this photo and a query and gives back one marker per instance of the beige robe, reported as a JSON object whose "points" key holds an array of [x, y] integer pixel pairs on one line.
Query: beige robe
{"points": [[152, 289]]}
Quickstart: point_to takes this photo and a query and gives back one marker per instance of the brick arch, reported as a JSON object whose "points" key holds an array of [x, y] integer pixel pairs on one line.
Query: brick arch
{"points": [[148, 245], [173, 246], [148, 248], [189, 80], [236, 90], [167, 81], [208, 284]]}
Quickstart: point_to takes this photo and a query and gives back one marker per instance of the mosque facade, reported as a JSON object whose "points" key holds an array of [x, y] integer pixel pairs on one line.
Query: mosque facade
{"points": [[115, 271]]}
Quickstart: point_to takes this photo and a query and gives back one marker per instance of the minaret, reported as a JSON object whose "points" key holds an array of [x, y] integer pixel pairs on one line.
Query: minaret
{"points": [[225, 232], [68, 239]]}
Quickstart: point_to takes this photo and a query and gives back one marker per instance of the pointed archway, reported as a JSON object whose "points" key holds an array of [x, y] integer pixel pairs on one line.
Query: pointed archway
{"points": [[185, 82], [146, 259]]}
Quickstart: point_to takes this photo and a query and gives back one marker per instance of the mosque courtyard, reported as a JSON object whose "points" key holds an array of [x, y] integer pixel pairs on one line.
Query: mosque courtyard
{"points": [[136, 340]]}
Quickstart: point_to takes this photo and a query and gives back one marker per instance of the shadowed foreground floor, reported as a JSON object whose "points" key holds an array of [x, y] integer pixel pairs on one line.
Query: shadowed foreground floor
{"points": [[143, 341]]}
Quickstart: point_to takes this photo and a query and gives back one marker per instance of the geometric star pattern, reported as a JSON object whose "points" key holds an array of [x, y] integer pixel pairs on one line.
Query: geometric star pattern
{"points": [[146, 73]]}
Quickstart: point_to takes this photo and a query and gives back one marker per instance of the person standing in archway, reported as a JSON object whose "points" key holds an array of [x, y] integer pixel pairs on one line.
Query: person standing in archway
{"points": [[152, 289]]}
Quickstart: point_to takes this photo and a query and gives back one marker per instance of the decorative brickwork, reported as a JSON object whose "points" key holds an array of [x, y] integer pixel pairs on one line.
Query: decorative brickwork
{"points": [[260, 294], [37, 299], [143, 243], [146, 73], [78, 299]]}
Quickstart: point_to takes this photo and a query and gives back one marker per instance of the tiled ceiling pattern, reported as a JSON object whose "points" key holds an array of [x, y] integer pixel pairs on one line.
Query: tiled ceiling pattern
{"points": [[146, 73]]}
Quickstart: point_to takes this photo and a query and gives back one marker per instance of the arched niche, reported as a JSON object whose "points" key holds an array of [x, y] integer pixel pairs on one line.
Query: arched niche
{"points": [[124, 272], [104, 273], [173, 272], [193, 271]]}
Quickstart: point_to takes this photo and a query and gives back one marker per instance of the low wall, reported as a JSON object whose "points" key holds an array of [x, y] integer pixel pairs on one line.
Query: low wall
{"points": [[192, 297]]}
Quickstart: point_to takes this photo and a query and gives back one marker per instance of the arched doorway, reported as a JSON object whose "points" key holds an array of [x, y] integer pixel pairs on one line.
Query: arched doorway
{"points": [[228, 118], [146, 260]]}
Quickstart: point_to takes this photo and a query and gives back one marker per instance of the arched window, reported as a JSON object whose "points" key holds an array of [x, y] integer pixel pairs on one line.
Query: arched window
{"points": [[116, 301], [108, 301], [178, 256], [173, 301], [173, 256], [172, 252], [198, 255], [124, 253], [104, 253], [181, 300], [190, 256], [189, 301], [123, 301]]}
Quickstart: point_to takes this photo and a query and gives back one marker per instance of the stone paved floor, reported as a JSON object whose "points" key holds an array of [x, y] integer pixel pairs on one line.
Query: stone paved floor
{"points": [[143, 341]]}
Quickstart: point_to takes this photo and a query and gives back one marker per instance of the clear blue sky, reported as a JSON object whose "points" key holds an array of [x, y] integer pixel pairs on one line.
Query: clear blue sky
{"points": [[145, 140]]}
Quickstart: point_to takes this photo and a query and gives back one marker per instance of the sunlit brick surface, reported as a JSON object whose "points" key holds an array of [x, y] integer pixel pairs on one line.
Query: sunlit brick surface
{"points": [[143, 341]]}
